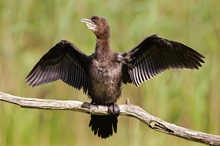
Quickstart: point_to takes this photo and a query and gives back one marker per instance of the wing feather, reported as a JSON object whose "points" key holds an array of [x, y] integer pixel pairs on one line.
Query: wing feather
{"points": [[155, 55], [64, 61]]}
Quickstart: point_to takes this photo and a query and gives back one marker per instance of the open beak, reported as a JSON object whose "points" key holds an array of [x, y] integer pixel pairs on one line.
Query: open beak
{"points": [[89, 23]]}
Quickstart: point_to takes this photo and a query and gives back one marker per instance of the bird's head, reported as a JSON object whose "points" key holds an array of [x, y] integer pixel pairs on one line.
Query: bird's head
{"points": [[98, 25]]}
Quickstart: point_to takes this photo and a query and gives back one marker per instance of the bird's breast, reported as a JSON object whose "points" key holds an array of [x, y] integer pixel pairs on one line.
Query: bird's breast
{"points": [[105, 81]]}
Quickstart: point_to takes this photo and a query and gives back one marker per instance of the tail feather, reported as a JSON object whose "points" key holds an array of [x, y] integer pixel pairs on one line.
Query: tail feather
{"points": [[104, 126]]}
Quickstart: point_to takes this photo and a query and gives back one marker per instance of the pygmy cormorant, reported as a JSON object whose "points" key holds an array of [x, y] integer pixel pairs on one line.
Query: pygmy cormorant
{"points": [[102, 73]]}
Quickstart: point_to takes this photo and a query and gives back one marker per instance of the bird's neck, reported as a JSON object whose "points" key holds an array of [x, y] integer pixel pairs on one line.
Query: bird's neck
{"points": [[103, 47]]}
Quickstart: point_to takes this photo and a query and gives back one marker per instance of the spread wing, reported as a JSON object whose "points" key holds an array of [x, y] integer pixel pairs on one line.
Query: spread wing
{"points": [[155, 55], [64, 61]]}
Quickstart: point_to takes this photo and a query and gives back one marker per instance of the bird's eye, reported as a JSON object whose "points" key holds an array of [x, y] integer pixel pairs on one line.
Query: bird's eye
{"points": [[94, 20]]}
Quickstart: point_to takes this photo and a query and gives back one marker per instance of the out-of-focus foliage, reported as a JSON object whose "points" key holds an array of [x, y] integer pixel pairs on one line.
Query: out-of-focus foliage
{"points": [[189, 98]]}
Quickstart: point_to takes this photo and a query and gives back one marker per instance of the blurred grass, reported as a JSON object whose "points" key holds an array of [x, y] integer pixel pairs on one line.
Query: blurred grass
{"points": [[191, 99]]}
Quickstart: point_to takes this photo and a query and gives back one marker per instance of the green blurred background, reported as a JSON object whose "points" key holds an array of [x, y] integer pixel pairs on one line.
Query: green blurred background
{"points": [[188, 98]]}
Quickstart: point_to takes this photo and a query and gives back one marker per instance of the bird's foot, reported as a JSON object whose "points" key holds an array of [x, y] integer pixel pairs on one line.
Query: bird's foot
{"points": [[88, 105], [114, 109]]}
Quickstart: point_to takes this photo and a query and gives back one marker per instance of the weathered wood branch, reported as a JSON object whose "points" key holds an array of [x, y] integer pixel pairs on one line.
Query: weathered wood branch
{"points": [[125, 110]]}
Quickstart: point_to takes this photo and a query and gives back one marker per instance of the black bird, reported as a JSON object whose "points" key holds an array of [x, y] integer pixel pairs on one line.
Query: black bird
{"points": [[102, 73]]}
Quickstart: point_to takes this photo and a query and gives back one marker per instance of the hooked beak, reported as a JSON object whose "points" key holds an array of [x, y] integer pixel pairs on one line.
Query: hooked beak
{"points": [[89, 23]]}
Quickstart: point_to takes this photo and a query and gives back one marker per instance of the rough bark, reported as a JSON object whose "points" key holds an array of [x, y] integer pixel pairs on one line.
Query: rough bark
{"points": [[125, 110]]}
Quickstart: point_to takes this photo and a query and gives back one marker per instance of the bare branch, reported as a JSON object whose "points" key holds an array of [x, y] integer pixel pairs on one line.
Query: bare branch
{"points": [[125, 110]]}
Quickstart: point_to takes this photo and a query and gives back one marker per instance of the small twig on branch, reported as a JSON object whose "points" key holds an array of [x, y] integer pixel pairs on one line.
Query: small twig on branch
{"points": [[125, 110]]}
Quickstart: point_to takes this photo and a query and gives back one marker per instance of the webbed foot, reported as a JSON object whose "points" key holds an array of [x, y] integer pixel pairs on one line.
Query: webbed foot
{"points": [[88, 105], [114, 109]]}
